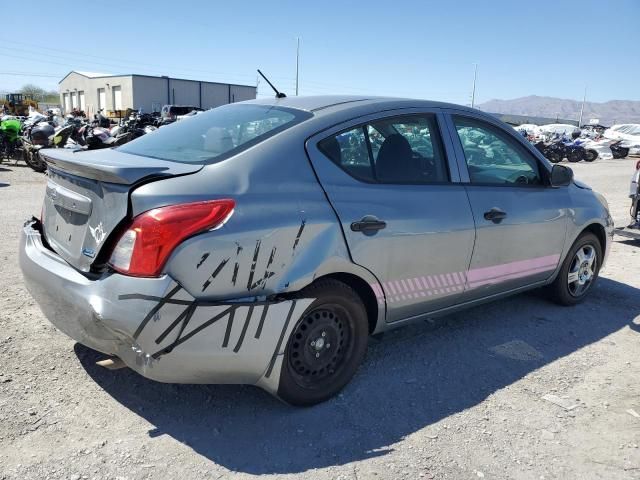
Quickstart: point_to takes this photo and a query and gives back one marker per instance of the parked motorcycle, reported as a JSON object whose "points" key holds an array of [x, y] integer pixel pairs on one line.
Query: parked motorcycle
{"points": [[561, 147], [551, 151], [590, 154], [97, 137], [135, 125], [43, 132], [10, 143], [618, 150], [633, 229]]}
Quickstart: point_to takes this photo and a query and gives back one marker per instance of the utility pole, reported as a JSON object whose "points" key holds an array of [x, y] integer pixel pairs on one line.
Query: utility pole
{"points": [[584, 98], [473, 91], [297, 62]]}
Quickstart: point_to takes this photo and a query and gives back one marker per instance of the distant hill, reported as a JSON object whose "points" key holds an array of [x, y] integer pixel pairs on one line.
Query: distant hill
{"points": [[613, 111]]}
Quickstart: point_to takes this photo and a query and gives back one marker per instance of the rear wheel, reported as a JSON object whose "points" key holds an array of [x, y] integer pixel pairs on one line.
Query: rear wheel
{"points": [[579, 271], [620, 152], [34, 160], [326, 346]]}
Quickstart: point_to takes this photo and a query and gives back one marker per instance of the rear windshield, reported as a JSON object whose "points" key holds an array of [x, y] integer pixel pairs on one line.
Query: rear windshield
{"points": [[215, 134]]}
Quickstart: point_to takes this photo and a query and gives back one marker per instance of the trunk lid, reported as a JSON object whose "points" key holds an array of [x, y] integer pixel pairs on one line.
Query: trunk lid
{"points": [[87, 197]]}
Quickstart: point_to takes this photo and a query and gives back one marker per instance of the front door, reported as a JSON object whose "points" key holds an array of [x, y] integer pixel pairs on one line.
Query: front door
{"points": [[404, 215], [520, 224]]}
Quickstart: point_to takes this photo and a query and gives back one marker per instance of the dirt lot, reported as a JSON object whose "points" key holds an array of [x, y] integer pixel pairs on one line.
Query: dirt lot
{"points": [[460, 398]]}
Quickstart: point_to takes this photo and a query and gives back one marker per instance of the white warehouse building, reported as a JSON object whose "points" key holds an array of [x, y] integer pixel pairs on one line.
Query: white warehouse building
{"points": [[91, 92]]}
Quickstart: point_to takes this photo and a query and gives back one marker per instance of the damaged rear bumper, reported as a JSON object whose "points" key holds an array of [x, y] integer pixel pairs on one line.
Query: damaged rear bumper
{"points": [[156, 327]]}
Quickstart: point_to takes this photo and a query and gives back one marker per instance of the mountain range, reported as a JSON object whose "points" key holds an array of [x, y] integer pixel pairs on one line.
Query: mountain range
{"points": [[607, 113]]}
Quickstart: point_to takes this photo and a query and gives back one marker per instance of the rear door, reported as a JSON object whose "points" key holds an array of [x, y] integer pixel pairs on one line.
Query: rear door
{"points": [[394, 185], [520, 220]]}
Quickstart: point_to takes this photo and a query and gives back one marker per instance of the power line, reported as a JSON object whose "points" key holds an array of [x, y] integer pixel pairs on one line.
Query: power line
{"points": [[120, 62], [30, 74]]}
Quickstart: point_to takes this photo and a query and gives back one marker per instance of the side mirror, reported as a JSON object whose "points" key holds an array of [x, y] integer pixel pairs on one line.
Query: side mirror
{"points": [[561, 176]]}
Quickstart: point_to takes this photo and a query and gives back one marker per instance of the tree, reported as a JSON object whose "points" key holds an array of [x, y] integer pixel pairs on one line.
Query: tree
{"points": [[36, 92], [40, 94]]}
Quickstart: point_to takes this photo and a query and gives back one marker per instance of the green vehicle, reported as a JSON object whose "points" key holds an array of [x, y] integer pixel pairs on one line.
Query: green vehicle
{"points": [[9, 138]]}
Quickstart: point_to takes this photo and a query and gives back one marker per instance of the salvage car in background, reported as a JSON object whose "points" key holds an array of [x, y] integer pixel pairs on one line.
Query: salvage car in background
{"points": [[263, 242]]}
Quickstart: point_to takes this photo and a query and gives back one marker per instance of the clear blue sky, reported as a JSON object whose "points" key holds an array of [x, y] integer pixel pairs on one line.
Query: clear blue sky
{"points": [[422, 49]]}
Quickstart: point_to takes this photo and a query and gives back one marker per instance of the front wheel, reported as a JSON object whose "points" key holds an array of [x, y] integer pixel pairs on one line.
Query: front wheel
{"points": [[554, 157], [590, 155], [575, 156], [579, 271], [326, 346]]}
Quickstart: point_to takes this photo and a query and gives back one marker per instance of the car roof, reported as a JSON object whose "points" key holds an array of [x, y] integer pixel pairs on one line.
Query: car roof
{"points": [[347, 102]]}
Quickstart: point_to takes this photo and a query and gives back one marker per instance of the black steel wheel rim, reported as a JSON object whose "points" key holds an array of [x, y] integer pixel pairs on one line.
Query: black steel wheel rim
{"points": [[320, 346]]}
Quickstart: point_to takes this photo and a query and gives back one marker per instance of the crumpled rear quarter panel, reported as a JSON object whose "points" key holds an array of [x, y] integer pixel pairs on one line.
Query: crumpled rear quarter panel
{"points": [[282, 234]]}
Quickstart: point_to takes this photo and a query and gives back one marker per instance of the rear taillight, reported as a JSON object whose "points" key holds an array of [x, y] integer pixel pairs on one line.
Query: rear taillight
{"points": [[638, 165], [145, 246]]}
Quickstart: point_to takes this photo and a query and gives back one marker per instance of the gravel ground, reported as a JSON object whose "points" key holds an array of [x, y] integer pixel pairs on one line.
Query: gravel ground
{"points": [[460, 398]]}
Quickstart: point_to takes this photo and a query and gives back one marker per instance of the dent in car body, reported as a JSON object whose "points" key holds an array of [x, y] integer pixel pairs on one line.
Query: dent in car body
{"points": [[156, 327]]}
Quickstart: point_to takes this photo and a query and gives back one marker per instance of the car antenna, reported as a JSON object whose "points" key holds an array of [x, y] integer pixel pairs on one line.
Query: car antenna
{"points": [[278, 94]]}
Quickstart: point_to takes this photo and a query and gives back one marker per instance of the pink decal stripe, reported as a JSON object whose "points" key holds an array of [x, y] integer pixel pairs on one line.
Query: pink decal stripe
{"points": [[505, 271], [453, 282], [511, 276]]}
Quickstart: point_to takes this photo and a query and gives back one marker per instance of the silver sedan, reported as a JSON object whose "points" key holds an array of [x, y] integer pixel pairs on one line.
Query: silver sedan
{"points": [[263, 242]]}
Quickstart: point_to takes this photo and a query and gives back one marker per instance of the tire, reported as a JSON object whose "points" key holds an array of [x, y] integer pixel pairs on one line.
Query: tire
{"points": [[590, 155], [569, 293], [575, 156], [326, 346], [35, 162], [620, 152], [554, 157]]}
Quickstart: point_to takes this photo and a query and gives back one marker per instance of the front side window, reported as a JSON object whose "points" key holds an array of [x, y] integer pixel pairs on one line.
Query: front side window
{"points": [[215, 134], [399, 150], [493, 157]]}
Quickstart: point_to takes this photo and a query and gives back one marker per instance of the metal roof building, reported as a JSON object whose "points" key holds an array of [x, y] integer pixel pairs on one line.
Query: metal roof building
{"points": [[90, 91]]}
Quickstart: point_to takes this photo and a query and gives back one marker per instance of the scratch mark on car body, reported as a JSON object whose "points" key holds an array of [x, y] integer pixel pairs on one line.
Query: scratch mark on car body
{"points": [[256, 252], [204, 257], [227, 332], [236, 349], [235, 273], [185, 316], [277, 349], [154, 310], [263, 280], [214, 274], [300, 230], [261, 323], [273, 254]]}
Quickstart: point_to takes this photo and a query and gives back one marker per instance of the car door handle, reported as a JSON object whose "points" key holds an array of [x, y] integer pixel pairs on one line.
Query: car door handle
{"points": [[368, 224], [495, 215]]}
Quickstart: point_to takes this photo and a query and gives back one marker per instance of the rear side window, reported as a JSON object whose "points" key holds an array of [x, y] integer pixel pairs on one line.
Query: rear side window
{"points": [[215, 134], [398, 150], [349, 151]]}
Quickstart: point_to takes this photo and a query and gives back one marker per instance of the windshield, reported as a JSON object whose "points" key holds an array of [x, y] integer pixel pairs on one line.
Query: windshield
{"points": [[216, 134]]}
